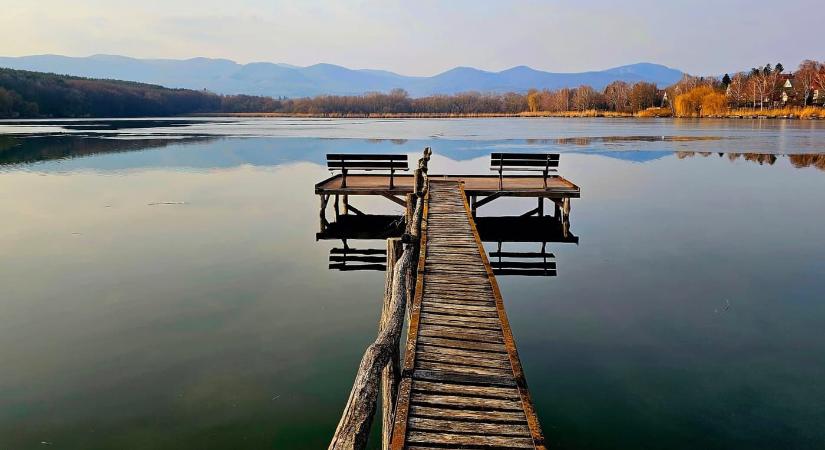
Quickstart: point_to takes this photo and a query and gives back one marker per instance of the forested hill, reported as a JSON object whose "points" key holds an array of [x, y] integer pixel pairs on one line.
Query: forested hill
{"points": [[25, 94]]}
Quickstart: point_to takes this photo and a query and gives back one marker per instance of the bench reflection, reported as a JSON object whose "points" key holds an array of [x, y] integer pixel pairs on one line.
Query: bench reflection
{"points": [[514, 259]]}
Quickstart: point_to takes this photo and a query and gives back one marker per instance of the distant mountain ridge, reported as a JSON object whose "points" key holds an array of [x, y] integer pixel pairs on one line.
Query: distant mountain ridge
{"points": [[284, 80]]}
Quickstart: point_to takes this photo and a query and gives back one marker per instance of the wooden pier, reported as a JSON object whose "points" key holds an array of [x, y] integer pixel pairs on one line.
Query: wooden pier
{"points": [[462, 383], [459, 383]]}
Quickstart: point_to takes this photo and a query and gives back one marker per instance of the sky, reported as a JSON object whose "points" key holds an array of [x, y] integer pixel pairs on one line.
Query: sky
{"points": [[425, 37]]}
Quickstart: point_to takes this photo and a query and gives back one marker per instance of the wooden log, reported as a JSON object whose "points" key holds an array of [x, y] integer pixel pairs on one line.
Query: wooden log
{"points": [[354, 427], [415, 225], [410, 209], [391, 374]]}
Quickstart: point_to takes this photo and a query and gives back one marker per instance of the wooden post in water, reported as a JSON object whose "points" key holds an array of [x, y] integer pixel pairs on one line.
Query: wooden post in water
{"points": [[391, 375], [323, 214], [565, 219]]}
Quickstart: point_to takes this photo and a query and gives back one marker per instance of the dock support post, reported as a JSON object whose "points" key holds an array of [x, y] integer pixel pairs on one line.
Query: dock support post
{"points": [[565, 220], [391, 374], [323, 214]]}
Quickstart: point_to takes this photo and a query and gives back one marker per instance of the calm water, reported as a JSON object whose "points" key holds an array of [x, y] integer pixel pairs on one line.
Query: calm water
{"points": [[161, 286]]}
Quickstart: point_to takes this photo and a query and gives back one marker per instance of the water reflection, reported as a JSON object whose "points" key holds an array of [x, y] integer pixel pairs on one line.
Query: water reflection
{"points": [[800, 161], [14, 150], [684, 317], [589, 140], [60, 149], [535, 231]]}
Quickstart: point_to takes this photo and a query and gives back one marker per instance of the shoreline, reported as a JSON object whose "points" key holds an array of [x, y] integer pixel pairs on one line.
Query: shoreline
{"points": [[570, 115]]}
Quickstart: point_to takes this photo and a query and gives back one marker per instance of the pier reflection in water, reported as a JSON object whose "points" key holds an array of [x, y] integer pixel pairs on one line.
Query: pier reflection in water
{"points": [[536, 231], [131, 326]]}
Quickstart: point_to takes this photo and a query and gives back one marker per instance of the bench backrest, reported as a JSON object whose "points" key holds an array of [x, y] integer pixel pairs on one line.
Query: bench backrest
{"points": [[524, 161], [367, 162]]}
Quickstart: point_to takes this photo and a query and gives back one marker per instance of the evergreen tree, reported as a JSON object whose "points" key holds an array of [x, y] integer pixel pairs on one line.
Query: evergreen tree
{"points": [[726, 80]]}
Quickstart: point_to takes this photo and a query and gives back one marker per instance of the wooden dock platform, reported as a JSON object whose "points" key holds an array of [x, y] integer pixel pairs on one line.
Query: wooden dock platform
{"points": [[462, 383], [474, 185], [480, 190]]}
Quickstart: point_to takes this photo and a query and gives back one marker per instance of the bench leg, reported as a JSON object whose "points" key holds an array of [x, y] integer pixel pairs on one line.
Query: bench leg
{"points": [[344, 178], [392, 174], [500, 179], [541, 206]]}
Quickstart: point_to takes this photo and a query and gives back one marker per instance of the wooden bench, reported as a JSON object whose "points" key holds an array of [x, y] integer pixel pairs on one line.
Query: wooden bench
{"points": [[519, 162], [345, 163]]}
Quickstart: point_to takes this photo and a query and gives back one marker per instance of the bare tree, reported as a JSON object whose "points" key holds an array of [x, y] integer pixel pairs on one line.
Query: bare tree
{"points": [[533, 100], [755, 84], [560, 100], [642, 96], [617, 94], [819, 79], [584, 98], [737, 89], [804, 79]]}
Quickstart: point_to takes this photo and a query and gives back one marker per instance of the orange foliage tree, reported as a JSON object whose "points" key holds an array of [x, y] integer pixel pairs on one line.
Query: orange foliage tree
{"points": [[700, 101]]}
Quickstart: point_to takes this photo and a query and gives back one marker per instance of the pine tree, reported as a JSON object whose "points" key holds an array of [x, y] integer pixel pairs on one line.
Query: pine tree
{"points": [[726, 80]]}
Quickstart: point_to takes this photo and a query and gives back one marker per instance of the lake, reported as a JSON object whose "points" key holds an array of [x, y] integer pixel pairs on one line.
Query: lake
{"points": [[161, 285]]}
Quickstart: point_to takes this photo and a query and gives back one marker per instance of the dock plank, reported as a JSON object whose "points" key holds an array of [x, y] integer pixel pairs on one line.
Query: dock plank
{"points": [[464, 383]]}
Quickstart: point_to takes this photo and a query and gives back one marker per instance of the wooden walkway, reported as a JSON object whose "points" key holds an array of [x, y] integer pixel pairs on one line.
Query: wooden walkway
{"points": [[462, 382]]}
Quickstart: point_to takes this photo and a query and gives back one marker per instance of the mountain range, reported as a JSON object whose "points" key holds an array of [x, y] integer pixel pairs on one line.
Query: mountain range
{"points": [[284, 80]]}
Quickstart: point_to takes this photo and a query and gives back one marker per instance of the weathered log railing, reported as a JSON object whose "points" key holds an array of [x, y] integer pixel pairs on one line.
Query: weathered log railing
{"points": [[380, 366]]}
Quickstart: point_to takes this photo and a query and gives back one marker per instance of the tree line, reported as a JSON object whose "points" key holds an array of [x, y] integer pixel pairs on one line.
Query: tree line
{"points": [[762, 88], [25, 94], [32, 94]]}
